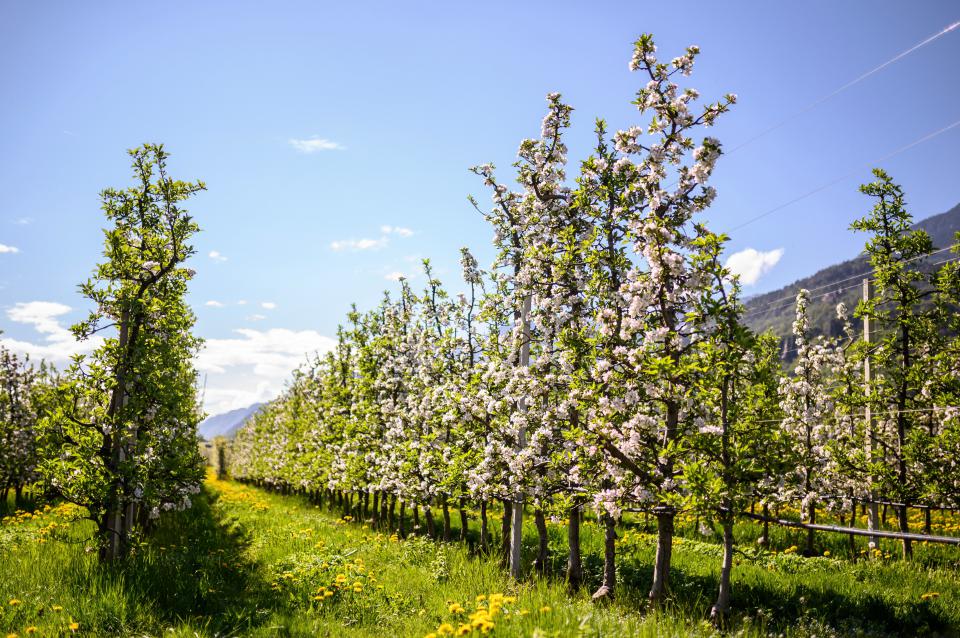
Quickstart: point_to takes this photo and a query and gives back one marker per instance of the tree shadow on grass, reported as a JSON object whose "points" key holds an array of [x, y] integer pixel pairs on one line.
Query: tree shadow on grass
{"points": [[192, 571]]}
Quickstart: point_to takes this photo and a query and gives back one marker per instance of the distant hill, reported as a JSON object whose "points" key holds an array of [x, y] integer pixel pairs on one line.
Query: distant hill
{"points": [[226, 424], [775, 310]]}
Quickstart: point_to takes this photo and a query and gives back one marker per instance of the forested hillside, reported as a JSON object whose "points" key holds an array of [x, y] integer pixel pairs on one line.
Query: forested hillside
{"points": [[776, 310]]}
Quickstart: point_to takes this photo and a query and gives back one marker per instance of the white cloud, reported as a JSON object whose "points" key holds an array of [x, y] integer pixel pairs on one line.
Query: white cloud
{"points": [[268, 305], [242, 302], [315, 144], [371, 244], [256, 317], [214, 304], [8, 249], [396, 275], [254, 365], [751, 264], [217, 256], [359, 244], [23, 221], [396, 230], [58, 343]]}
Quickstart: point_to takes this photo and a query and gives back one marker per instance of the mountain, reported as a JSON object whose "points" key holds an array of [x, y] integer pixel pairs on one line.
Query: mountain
{"points": [[776, 310], [227, 423]]}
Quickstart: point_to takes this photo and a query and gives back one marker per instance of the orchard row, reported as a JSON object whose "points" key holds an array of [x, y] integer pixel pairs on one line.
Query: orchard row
{"points": [[604, 361]]}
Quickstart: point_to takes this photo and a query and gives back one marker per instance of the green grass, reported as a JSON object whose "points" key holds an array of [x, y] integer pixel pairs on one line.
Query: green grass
{"points": [[244, 562]]}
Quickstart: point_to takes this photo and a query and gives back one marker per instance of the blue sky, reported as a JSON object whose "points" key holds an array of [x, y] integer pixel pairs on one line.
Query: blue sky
{"points": [[407, 98]]}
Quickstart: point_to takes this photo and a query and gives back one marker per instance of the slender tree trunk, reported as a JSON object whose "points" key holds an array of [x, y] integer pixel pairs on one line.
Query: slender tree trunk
{"points": [[927, 521], [505, 525], [720, 608], [416, 519], [464, 521], [403, 513], [431, 524], [540, 565], [609, 583], [376, 509], [446, 519], [392, 513], [765, 537], [661, 565], [574, 563], [484, 532], [905, 528], [853, 539], [812, 516]]}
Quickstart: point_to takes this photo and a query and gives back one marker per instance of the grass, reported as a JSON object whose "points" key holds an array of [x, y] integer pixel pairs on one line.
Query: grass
{"points": [[245, 562]]}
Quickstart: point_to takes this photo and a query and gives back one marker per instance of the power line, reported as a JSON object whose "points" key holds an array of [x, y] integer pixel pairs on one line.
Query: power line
{"points": [[839, 179], [846, 86], [840, 281]]}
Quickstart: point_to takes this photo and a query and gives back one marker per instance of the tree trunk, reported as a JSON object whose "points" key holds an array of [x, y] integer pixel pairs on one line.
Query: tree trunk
{"points": [[609, 583], [505, 531], [905, 528], [464, 521], [661, 565], [376, 509], [392, 512], [927, 521], [720, 608], [484, 532], [416, 519], [540, 565], [446, 519], [812, 516], [574, 563], [403, 513], [765, 537], [431, 524]]}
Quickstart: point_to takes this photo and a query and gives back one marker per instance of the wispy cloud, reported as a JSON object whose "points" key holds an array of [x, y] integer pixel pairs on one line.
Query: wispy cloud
{"points": [[214, 304], [751, 264], [396, 275], [8, 249], [372, 244], [268, 305], [315, 144], [256, 317], [23, 221], [354, 245], [217, 256], [396, 230], [58, 343]]}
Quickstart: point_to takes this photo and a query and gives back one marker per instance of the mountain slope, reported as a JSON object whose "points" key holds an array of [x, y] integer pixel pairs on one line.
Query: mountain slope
{"points": [[227, 423], [775, 310]]}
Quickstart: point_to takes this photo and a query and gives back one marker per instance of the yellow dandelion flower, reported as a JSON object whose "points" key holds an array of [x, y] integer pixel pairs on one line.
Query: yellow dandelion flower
{"points": [[31, 629], [481, 598], [545, 609], [463, 630], [929, 595], [431, 635], [445, 629], [12, 636], [14, 602], [74, 626]]}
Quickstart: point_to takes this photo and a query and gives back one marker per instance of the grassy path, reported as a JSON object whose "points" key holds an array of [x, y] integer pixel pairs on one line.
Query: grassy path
{"points": [[244, 562]]}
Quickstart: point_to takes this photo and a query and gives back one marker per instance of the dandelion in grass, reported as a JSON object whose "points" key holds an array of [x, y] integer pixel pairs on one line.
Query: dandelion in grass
{"points": [[445, 629], [930, 595], [74, 626]]}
